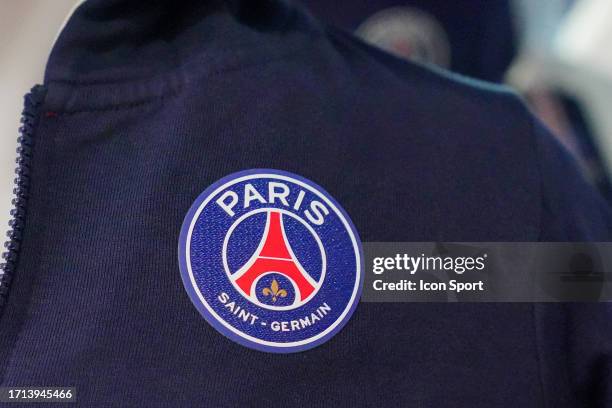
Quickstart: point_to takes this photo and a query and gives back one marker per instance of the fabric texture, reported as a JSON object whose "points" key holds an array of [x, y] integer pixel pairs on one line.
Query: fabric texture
{"points": [[148, 103]]}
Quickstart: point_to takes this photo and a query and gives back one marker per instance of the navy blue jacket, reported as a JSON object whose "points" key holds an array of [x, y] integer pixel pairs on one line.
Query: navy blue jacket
{"points": [[145, 104]]}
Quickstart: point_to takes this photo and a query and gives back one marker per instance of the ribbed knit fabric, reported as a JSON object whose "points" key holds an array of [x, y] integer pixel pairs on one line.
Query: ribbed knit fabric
{"points": [[148, 103]]}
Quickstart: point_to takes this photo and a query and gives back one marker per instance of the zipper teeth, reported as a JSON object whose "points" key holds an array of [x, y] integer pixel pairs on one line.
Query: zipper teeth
{"points": [[29, 119]]}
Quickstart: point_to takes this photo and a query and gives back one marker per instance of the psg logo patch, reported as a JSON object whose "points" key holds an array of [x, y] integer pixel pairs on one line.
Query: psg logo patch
{"points": [[271, 261]]}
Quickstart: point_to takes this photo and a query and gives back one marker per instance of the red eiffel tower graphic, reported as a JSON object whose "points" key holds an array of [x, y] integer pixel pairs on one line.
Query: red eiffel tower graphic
{"points": [[274, 255]]}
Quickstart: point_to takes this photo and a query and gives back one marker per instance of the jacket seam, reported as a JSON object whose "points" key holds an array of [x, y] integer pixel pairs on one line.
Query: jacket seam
{"points": [[534, 306]]}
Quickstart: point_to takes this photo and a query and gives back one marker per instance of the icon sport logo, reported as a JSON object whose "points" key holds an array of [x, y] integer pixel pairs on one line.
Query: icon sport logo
{"points": [[271, 260]]}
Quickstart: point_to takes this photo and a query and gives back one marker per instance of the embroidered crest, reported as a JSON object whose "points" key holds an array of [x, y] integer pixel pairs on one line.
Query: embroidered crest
{"points": [[271, 261]]}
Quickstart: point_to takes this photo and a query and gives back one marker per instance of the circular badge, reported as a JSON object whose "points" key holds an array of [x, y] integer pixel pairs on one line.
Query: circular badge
{"points": [[271, 261]]}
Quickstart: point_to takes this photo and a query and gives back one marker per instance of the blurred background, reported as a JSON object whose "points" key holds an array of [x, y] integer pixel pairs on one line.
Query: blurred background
{"points": [[556, 53]]}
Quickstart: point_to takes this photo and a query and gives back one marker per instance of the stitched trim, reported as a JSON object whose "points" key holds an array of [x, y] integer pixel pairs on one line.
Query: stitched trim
{"points": [[29, 120]]}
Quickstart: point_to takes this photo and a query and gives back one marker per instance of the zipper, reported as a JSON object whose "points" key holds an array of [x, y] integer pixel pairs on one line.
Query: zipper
{"points": [[29, 119]]}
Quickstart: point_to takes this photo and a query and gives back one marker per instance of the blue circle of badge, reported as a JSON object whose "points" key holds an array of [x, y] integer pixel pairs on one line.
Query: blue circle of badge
{"points": [[271, 260]]}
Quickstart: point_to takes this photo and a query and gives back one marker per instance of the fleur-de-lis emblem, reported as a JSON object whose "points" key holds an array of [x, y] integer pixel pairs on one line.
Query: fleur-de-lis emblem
{"points": [[275, 291]]}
